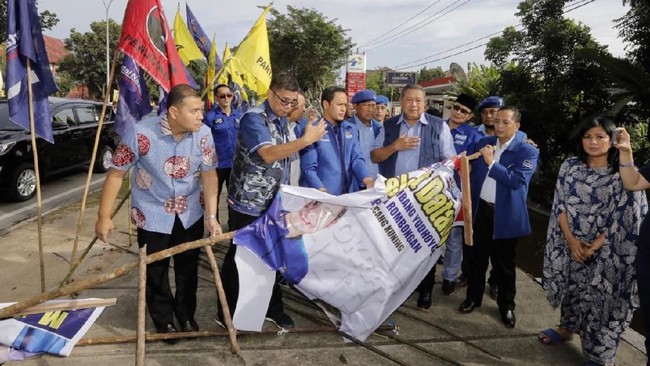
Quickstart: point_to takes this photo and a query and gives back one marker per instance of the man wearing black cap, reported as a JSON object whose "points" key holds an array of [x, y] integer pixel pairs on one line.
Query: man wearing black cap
{"points": [[364, 106], [465, 139]]}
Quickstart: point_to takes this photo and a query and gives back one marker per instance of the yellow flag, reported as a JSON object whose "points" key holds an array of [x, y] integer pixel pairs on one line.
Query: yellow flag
{"points": [[187, 48], [223, 78], [233, 68], [253, 56], [212, 64]]}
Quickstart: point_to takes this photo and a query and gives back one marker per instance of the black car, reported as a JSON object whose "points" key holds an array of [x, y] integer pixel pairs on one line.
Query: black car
{"points": [[74, 125]]}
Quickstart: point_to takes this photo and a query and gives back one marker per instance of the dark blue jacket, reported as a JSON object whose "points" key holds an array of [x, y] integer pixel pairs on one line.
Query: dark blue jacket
{"points": [[512, 174], [465, 138], [321, 167], [224, 132]]}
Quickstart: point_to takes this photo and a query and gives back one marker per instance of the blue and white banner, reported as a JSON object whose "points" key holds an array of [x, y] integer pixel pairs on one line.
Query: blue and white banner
{"points": [[53, 332], [359, 256]]}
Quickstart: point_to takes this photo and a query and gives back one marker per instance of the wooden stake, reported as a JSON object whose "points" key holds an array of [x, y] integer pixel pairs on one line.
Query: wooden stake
{"points": [[117, 273], [68, 305], [224, 304], [142, 288], [39, 205], [92, 163], [466, 199]]}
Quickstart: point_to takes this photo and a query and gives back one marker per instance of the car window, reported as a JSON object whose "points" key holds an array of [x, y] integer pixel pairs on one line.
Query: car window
{"points": [[87, 114], [65, 115]]}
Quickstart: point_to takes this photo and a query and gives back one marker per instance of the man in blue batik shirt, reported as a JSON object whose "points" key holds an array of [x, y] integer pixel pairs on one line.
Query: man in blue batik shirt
{"points": [[223, 120]]}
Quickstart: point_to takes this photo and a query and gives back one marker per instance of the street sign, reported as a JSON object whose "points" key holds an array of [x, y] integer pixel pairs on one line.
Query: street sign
{"points": [[399, 79]]}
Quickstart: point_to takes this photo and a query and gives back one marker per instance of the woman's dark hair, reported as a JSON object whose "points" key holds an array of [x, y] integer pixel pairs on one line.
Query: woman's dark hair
{"points": [[609, 127]]}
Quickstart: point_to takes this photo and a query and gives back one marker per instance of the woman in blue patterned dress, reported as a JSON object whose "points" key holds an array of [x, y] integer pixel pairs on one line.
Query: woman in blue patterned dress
{"points": [[591, 246]]}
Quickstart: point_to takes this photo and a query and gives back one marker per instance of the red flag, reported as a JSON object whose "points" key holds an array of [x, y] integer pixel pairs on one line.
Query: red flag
{"points": [[147, 39]]}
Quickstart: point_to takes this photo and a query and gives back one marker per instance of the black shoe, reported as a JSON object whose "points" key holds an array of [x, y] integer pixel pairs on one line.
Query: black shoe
{"points": [[281, 320], [493, 291], [169, 328], [441, 260], [424, 300], [468, 306], [190, 326], [508, 318], [448, 287], [462, 280]]}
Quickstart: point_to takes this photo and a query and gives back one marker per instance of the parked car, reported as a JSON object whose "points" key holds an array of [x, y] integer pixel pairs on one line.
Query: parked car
{"points": [[74, 125]]}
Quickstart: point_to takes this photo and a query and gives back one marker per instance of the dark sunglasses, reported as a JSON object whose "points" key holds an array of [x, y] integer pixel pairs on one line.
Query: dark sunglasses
{"points": [[286, 102], [224, 96], [460, 109]]}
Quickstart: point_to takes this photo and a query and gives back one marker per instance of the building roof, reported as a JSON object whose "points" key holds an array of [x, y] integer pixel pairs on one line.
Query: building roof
{"points": [[436, 82], [55, 49]]}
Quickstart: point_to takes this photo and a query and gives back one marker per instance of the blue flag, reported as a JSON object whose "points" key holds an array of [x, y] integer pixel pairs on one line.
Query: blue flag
{"points": [[133, 103], [25, 44], [200, 37]]}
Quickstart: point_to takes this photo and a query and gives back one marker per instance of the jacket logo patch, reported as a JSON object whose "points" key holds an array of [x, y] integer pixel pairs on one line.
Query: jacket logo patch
{"points": [[528, 164], [348, 134]]}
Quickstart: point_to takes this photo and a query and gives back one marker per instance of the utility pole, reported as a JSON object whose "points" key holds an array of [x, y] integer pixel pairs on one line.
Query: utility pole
{"points": [[107, 5]]}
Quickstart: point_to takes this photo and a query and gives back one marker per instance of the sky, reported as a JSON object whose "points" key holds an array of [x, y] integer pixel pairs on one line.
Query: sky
{"points": [[430, 39]]}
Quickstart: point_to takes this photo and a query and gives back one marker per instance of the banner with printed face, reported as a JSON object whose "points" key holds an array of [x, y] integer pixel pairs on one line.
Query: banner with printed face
{"points": [[54, 332], [359, 256]]}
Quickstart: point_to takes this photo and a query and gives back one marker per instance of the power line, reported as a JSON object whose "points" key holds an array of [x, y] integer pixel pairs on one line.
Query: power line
{"points": [[372, 41], [418, 26], [403, 66]]}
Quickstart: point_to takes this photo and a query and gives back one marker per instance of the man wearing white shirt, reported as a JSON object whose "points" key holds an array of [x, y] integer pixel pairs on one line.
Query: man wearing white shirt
{"points": [[499, 184]]}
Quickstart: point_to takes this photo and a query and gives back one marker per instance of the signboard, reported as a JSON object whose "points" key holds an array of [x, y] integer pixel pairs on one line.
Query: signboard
{"points": [[399, 79], [355, 75]]}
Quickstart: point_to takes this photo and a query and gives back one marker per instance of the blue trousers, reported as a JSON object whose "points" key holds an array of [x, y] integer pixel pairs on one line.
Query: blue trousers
{"points": [[453, 254]]}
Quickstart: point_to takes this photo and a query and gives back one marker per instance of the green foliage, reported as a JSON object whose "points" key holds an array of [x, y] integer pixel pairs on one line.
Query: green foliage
{"points": [[482, 81], [309, 45], [376, 81], [634, 28], [548, 81], [86, 63], [48, 20], [427, 74]]}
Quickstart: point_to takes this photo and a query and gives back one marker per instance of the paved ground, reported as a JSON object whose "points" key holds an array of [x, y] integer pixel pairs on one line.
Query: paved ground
{"points": [[440, 336]]}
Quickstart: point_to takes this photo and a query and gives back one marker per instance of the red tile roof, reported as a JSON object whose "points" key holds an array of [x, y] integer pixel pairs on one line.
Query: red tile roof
{"points": [[55, 49], [438, 81]]}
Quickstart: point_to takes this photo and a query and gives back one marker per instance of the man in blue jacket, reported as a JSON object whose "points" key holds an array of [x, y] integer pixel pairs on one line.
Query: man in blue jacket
{"points": [[499, 182], [411, 141], [335, 163]]}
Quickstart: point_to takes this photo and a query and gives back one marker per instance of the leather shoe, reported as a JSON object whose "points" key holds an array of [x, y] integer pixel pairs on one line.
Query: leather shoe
{"points": [[190, 326], [508, 318], [468, 306], [169, 328], [424, 300], [493, 291], [281, 320], [448, 287]]}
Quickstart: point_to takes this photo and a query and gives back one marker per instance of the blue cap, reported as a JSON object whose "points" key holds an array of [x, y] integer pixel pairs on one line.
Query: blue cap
{"points": [[363, 96], [492, 102], [382, 99]]}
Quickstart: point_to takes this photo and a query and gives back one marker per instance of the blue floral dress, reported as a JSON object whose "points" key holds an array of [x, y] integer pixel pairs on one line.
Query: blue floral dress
{"points": [[596, 298]]}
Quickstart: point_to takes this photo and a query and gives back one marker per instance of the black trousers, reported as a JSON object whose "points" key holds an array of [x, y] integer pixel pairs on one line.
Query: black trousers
{"points": [[464, 265], [426, 285], [643, 281], [162, 304], [503, 260], [223, 175], [230, 276]]}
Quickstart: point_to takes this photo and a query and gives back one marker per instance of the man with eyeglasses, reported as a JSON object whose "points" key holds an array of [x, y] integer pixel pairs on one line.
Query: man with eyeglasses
{"points": [[411, 141], [335, 163], [262, 163], [223, 121], [365, 106]]}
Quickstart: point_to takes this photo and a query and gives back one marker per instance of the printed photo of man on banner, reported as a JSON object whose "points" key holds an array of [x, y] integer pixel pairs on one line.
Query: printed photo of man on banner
{"points": [[362, 254]]}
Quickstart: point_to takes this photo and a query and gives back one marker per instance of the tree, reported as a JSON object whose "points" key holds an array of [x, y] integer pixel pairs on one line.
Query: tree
{"points": [[427, 74], [86, 63], [554, 87], [48, 20], [309, 45], [482, 81]]}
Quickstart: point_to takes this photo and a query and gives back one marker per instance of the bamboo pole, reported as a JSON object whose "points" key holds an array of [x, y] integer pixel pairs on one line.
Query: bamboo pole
{"points": [[224, 304], [117, 273], [142, 288], [39, 203], [466, 200], [92, 242], [92, 162]]}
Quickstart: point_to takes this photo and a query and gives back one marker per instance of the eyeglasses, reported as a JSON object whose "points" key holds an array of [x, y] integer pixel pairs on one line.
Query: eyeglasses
{"points": [[224, 96], [285, 102], [459, 108]]}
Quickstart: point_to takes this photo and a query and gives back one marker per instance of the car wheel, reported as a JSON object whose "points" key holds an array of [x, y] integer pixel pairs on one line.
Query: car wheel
{"points": [[23, 183], [104, 160]]}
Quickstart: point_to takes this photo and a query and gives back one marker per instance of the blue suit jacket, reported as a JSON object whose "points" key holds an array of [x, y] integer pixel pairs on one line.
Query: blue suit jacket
{"points": [[512, 174], [321, 167]]}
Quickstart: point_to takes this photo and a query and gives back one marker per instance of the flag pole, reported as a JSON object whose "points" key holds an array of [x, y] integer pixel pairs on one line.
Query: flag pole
{"points": [[92, 161], [39, 206]]}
